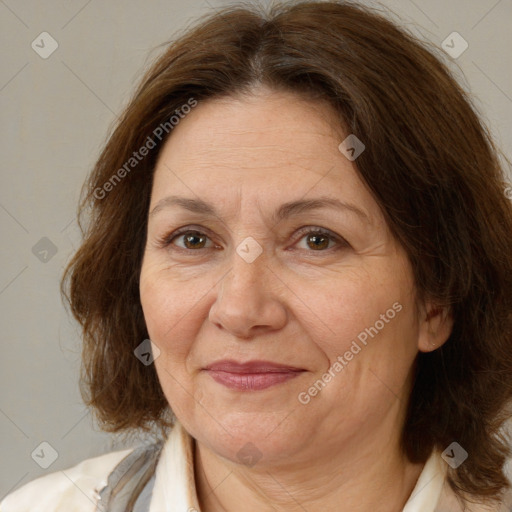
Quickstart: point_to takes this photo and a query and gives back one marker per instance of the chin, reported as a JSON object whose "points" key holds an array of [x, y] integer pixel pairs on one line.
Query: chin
{"points": [[250, 438]]}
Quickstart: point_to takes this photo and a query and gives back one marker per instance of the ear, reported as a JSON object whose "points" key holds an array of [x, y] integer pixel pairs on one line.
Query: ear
{"points": [[436, 324]]}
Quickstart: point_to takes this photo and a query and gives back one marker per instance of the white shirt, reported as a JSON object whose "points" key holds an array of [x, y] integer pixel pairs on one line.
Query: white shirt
{"points": [[77, 489]]}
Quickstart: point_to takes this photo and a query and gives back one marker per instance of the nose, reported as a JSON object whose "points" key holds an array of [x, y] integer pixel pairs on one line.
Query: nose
{"points": [[248, 301]]}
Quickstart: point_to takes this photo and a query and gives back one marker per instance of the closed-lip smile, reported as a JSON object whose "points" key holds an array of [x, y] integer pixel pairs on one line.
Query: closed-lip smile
{"points": [[251, 375]]}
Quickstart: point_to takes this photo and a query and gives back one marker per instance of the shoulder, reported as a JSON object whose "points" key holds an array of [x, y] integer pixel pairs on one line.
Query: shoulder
{"points": [[74, 488]]}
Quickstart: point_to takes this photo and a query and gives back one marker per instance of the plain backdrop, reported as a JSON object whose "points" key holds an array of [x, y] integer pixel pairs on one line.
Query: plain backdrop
{"points": [[56, 113]]}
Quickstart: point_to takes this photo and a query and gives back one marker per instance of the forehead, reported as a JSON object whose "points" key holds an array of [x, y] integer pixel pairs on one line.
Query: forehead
{"points": [[267, 147]]}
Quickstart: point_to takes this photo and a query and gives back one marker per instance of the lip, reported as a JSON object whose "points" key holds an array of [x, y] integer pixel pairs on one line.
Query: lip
{"points": [[251, 375]]}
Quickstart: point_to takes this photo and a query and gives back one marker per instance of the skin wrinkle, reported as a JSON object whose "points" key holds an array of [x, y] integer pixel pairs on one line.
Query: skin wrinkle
{"points": [[285, 306], [430, 163]]}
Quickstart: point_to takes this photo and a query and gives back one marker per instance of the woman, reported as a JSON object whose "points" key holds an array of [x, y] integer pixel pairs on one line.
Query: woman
{"points": [[307, 219]]}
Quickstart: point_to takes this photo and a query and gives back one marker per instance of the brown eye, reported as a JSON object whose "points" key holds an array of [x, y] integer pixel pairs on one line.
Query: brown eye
{"points": [[318, 240], [192, 239]]}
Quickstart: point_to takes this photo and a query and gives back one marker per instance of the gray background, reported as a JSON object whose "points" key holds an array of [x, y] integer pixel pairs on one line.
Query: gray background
{"points": [[56, 114]]}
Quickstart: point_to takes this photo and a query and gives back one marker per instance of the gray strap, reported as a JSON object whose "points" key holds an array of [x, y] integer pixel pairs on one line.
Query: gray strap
{"points": [[144, 499], [128, 479]]}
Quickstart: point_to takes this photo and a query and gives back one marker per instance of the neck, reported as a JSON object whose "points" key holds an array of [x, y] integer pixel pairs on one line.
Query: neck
{"points": [[368, 478]]}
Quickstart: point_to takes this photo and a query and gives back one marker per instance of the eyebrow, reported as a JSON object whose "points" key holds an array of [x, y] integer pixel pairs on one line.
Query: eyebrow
{"points": [[286, 210]]}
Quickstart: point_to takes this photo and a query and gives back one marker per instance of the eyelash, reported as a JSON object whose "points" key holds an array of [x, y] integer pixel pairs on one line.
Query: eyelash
{"points": [[166, 241]]}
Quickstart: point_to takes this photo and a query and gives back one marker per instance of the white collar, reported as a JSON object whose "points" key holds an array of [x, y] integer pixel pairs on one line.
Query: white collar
{"points": [[427, 491], [175, 490]]}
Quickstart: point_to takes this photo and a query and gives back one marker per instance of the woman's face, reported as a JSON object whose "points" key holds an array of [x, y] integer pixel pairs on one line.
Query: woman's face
{"points": [[328, 321]]}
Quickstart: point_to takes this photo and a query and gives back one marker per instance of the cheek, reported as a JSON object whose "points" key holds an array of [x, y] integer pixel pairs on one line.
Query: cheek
{"points": [[171, 311], [360, 306]]}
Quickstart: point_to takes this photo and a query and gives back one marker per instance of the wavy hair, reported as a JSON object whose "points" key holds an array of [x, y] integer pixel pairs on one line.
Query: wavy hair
{"points": [[429, 162]]}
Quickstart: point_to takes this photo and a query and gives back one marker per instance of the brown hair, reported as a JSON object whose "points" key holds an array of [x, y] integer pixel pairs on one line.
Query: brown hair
{"points": [[429, 163]]}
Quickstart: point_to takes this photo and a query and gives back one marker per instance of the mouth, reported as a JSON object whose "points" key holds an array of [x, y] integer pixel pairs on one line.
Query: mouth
{"points": [[252, 375]]}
